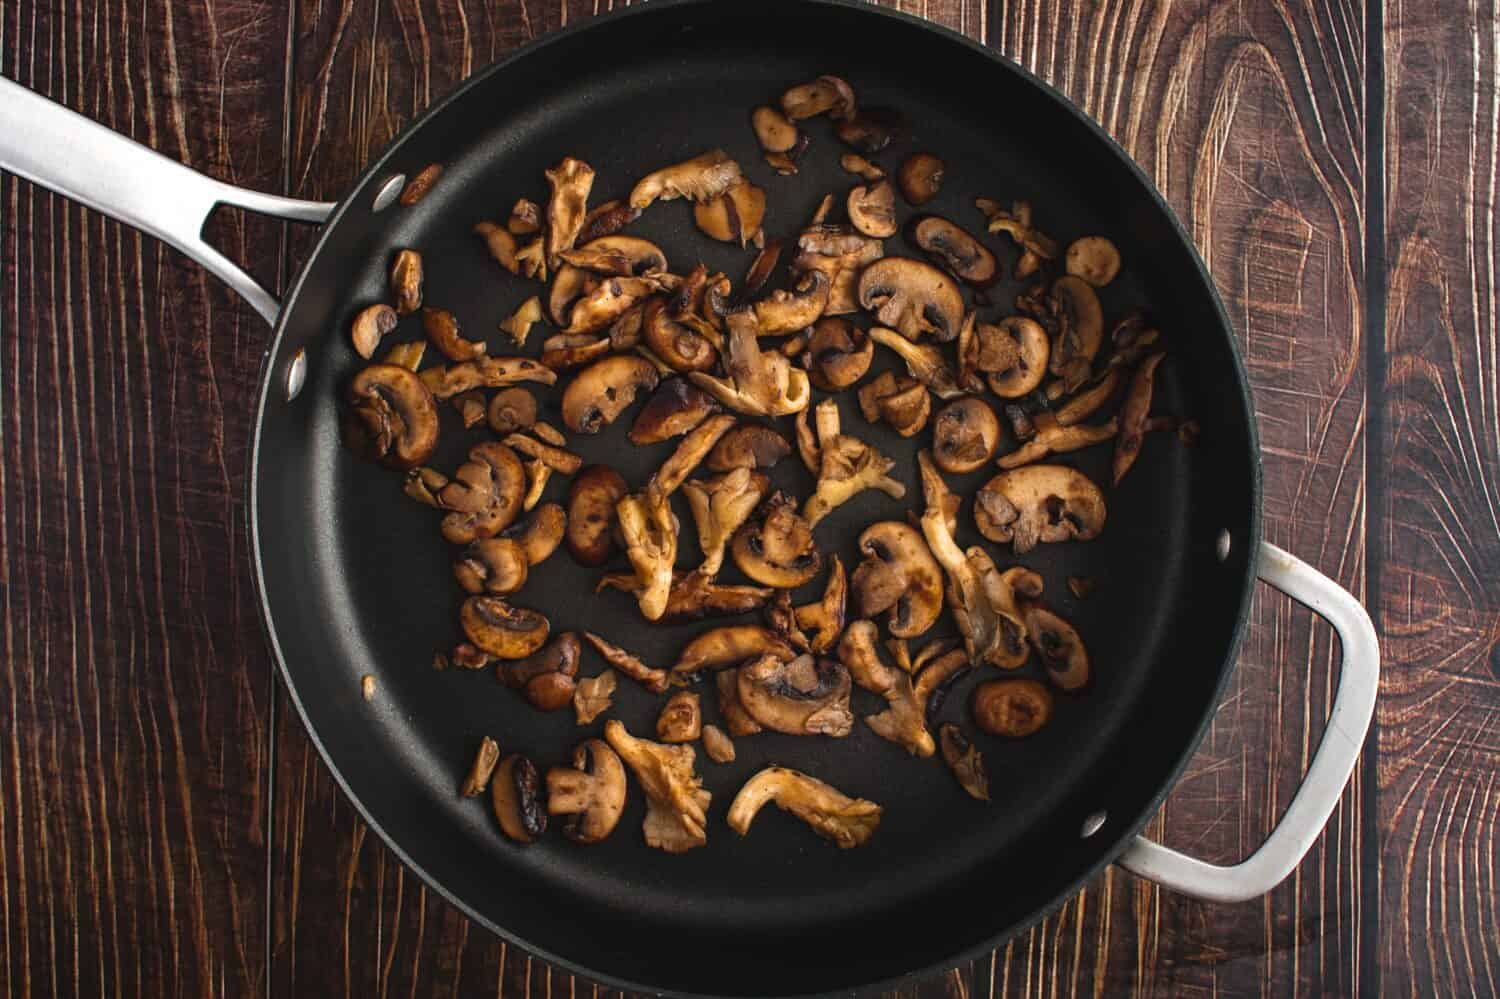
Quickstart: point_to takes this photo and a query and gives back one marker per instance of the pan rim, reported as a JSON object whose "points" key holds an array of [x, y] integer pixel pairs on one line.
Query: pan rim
{"points": [[1110, 849]]}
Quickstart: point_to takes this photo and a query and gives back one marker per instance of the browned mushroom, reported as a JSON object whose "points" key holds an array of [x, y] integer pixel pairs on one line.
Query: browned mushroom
{"points": [[676, 803], [705, 176], [492, 565], [694, 595], [1053, 438], [1094, 259], [515, 794], [525, 218], [604, 390], [417, 187], [591, 513], [654, 680], [681, 718], [591, 794], [1036, 246], [485, 495], [512, 409], [370, 324], [501, 629], [825, 619], [1015, 707], [609, 299], [486, 372], [762, 267], [826, 95], [531, 259], [1011, 354], [648, 529], [774, 130], [518, 324], [1039, 503], [406, 355], [965, 760], [606, 220], [965, 434], [924, 362], [777, 548], [846, 822], [395, 415], [406, 281], [690, 344], [839, 354], [423, 485], [1080, 328], [872, 209], [842, 254], [689, 454], [569, 284], [948, 245], [574, 350], [847, 466], [785, 311], [673, 409], [902, 721], [545, 676], [748, 445], [470, 406], [555, 458], [615, 256], [1133, 417], [501, 244], [727, 685], [760, 383], [913, 297], [734, 216], [1089, 399], [730, 645], [870, 130], [1058, 643], [898, 575], [861, 167], [441, 328], [801, 696], [539, 534], [903, 403], [482, 769], [720, 506], [920, 177], [571, 181], [717, 746]]}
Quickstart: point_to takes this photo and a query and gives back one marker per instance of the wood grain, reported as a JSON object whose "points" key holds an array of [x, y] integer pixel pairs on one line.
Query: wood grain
{"points": [[1440, 584], [135, 691]]}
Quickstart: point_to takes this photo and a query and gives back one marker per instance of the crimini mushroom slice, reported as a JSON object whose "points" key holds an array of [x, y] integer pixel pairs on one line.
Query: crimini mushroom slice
{"points": [[1094, 259], [762, 267], [518, 324], [654, 680], [406, 281], [1039, 503], [485, 494], [676, 803], [482, 769], [913, 297], [759, 383], [861, 167], [717, 746], [705, 176], [539, 534], [492, 565], [842, 254], [898, 575], [394, 415], [591, 793], [694, 595], [847, 466], [592, 497], [649, 531], [924, 362], [681, 718], [847, 822], [573, 350], [1091, 398], [486, 372], [673, 409], [689, 454], [784, 311], [965, 760], [826, 95], [515, 795], [838, 354], [801, 696], [1080, 327], [441, 328], [951, 246], [406, 355], [616, 256], [512, 409], [965, 434], [1133, 417], [501, 244], [1036, 246], [748, 445], [370, 324], [1012, 355], [555, 458], [608, 300], [734, 216], [729, 645], [921, 178], [546, 676], [1060, 646], [604, 390], [689, 344], [417, 187], [825, 619], [1053, 438], [774, 131], [872, 209], [777, 548], [720, 506], [1014, 707], [902, 403], [502, 630], [901, 722], [571, 181]]}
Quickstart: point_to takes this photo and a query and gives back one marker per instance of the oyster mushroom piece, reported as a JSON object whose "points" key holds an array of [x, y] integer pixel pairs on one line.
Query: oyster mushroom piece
{"points": [[847, 466], [544, 677], [485, 372], [1091, 398], [515, 795], [1012, 355], [720, 506], [406, 355], [654, 680], [482, 769], [847, 822], [406, 281], [841, 253], [730, 645], [690, 452], [777, 549], [1039, 503], [965, 760], [825, 619], [492, 565], [485, 495], [1053, 438], [802, 696], [705, 176], [902, 721], [681, 718], [921, 178], [571, 181], [1058, 643], [965, 434], [749, 445], [1133, 417], [826, 95], [518, 324], [1094, 259], [676, 802], [441, 328], [370, 324], [395, 415], [870, 130], [913, 297], [734, 216], [762, 267], [949, 245], [604, 390], [694, 595], [872, 209], [689, 343], [591, 793], [615, 256], [1014, 707], [759, 384], [898, 575], [1036, 246], [838, 354], [785, 312], [555, 458], [502, 630], [675, 408], [591, 517], [924, 362], [649, 531]]}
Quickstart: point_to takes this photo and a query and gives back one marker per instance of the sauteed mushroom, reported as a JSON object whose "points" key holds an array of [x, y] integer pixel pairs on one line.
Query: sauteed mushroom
{"points": [[681, 718], [1059, 645], [604, 390], [1094, 259], [924, 362], [774, 130], [759, 383], [727, 685], [913, 297], [689, 454], [825, 619], [518, 324], [902, 403], [734, 216], [847, 466], [675, 408], [571, 181], [1053, 438], [1133, 417], [682, 346], [482, 769], [966, 762], [676, 803], [801, 696], [870, 130], [847, 822], [395, 414], [839, 354], [539, 534], [406, 281], [720, 506], [617, 256], [694, 595], [606, 220], [486, 372], [512, 409], [649, 531], [492, 565], [574, 350], [1080, 326], [370, 324], [1039, 503], [965, 434], [484, 495], [1015, 707], [525, 218], [591, 513], [591, 793], [788, 311], [872, 209], [777, 549], [749, 445], [960, 253], [501, 629], [901, 722], [920, 177], [1037, 247], [861, 167], [654, 680], [729, 645], [442, 332], [716, 745], [842, 254], [898, 575], [705, 176], [826, 94], [610, 299], [546, 676], [501, 244], [515, 795], [1011, 354]]}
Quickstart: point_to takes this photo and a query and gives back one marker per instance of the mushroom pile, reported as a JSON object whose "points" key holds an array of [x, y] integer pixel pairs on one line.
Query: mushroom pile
{"points": [[736, 380]]}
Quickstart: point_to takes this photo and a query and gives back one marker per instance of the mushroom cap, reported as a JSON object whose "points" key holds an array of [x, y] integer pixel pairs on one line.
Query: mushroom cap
{"points": [[1015, 707], [777, 549], [826, 94], [950, 245], [748, 445], [515, 795], [591, 793], [396, 413], [492, 565], [592, 497], [604, 390], [1012, 354], [872, 209], [900, 575], [838, 354], [806, 695], [441, 327], [920, 177], [1039, 503], [676, 407], [913, 297], [501, 629], [965, 434], [545, 675]]}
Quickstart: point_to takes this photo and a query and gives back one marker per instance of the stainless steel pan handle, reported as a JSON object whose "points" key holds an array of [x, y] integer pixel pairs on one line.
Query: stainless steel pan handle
{"points": [[80, 159], [1348, 724]]}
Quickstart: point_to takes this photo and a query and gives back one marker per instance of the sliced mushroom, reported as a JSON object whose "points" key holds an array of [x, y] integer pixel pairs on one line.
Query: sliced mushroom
{"points": [[842, 254], [734, 216], [406, 281], [571, 181], [949, 245], [1039, 503], [1091, 398], [676, 803], [574, 350], [730, 645], [748, 445], [492, 565], [525, 218], [654, 680], [395, 415], [727, 685], [515, 795], [673, 409], [1053, 438], [512, 409], [689, 454], [825, 619], [966, 762], [1058, 643], [902, 403], [847, 466], [1036, 246], [609, 299], [441, 328], [423, 485], [1015, 707], [683, 345], [785, 312], [872, 209], [839, 354], [591, 794], [465, 656], [801, 696], [486, 372], [502, 630], [902, 721], [920, 177], [1094, 259], [861, 167], [617, 256], [807, 444], [485, 495], [870, 130], [545, 676], [406, 355], [924, 362], [569, 284], [774, 130], [720, 506], [531, 259], [470, 406], [1080, 326], [705, 176], [606, 220], [898, 575], [482, 769], [539, 534], [501, 244], [759, 383], [1133, 417], [762, 267], [826, 95], [1011, 354], [777, 548], [847, 822], [372, 323], [518, 324], [604, 390], [913, 297], [694, 595], [716, 745], [649, 532], [592, 497], [681, 718], [965, 434]]}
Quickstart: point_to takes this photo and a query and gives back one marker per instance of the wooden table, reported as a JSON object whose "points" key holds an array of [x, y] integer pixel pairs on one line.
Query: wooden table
{"points": [[166, 827]]}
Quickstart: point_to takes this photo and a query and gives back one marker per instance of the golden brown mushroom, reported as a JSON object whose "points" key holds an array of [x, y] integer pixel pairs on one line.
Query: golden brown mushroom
{"points": [[688, 455], [694, 595], [847, 822], [774, 131], [759, 383], [686, 344], [518, 324], [1012, 355], [920, 177], [965, 434], [1036, 246], [394, 414], [717, 746], [539, 534], [720, 506], [496, 566], [486, 372], [681, 718], [406, 281], [573, 350], [1039, 503], [615, 256], [902, 721], [838, 354], [591, 793], [605, 389], [482, 769], [734, 216], [902, 403], [1133, 417], [485, 494], [826, 95], [370, 324], [841, 253], [1060, 646], [870, 130], [654, 680], [571, 181], [861, 167], [801, 696], [1094, 259], [512, 409], [501, 629], [649, 531], [705, 176], [525, 218], [847, 466], [606, 220], [675, 408], [777, 548], [727, 685], [898, 575], [825, 619], [1080, 328], [924, 362], [676, 803], [789, 311], [729, 645], [913, 297], [1053, 438], [501, 244], [441, 328], [591, 513], [1015, 707], [966, 762], [950, 246], [545, 677], [872, 209], [748, 445]]}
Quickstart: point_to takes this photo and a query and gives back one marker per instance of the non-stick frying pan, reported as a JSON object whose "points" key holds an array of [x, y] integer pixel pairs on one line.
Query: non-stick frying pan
{"points": [[354, 579]]}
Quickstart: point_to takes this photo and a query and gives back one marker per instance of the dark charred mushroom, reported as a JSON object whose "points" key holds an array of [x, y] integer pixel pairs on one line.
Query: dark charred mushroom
{"points": [[442, 332], [872, 209], [1014, 707], [870, 130], [406, 281], [395, 415], [913, 297], [801, 696], [571, 181], [515, 794], [954, 249], [546, 677], [372, 323], [591, 513], [1094, 259], [826, 95], [839, 354], [1039, 503], [734, 216], [705, 176], [606, 220], [748, 445], [966, 762], [898, 575], [920, 177], [591, 794], [604, 390], [1133, 417], [965, 434], [673, 409], [681, 718], [485, 495], [777, 549], [492, 565], [502, 630], [846, 822]]}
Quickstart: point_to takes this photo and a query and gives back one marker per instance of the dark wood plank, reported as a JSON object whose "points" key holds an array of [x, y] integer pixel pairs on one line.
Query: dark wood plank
{"points": [[135, 688], [1440, 581]]}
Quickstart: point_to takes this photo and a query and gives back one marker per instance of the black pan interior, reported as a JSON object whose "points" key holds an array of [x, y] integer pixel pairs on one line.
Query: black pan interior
{"points": [[357, 579]]}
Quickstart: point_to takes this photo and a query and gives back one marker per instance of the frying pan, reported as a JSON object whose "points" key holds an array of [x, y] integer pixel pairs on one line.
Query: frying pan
{"points": [[353, 579]]}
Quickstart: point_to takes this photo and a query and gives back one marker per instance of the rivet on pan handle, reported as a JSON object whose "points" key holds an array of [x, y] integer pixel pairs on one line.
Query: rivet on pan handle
{"points": [[80, 159], [1353, 707]]}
